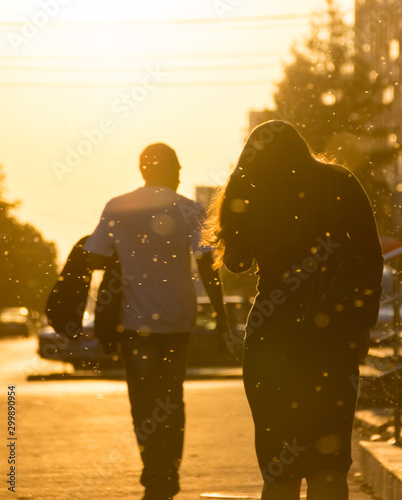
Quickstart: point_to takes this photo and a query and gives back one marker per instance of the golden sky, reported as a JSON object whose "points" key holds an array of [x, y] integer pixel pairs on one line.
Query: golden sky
{"points": [[86, 85]]}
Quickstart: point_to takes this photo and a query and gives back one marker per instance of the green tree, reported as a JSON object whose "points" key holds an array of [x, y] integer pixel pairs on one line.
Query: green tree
{"points": [[328, 88], [28, 263], [331, 94]]}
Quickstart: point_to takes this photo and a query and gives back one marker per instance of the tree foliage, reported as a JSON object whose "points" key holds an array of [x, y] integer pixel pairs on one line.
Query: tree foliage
{"points": [[333, 96], [329, 88], [28, 263]]}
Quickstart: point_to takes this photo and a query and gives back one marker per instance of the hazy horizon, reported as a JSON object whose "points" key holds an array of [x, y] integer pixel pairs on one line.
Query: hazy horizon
{"points": [[83, 94]]}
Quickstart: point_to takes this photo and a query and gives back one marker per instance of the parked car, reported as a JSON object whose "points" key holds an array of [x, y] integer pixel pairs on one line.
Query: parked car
{"points": [[206, 349], [14, 322]]}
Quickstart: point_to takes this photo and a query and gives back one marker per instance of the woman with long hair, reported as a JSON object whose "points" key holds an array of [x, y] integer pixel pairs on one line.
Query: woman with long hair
{"points": [[299, 218]]}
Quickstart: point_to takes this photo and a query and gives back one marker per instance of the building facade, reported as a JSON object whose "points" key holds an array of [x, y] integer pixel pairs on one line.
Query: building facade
{"points": [[378, 31]]}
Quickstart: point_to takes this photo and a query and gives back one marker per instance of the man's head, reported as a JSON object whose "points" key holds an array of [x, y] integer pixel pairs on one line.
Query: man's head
{"points": [[160, 166]]}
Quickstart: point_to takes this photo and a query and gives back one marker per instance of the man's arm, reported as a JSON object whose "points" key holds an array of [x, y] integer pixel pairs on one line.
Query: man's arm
{"points": [[100, 244], [212, 283]]}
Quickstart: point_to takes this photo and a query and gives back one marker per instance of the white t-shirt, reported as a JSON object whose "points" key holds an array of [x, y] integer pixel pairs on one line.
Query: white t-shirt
{"points": [[153, 230]]}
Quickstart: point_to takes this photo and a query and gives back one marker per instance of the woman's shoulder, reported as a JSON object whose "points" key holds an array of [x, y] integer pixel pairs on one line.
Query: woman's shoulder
{"points": [[340, 182], [336, 173], [333, 169]]}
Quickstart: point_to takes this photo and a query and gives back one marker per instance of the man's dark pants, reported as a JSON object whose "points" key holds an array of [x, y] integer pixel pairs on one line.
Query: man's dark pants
{"points": [[155, 370]]}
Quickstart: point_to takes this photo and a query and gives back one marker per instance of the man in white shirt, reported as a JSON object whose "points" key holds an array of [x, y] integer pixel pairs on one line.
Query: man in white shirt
{"points": [[153, 230]]}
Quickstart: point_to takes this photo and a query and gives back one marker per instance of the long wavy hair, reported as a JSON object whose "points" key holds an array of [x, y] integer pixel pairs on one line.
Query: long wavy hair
{"points": [[263, 173]]}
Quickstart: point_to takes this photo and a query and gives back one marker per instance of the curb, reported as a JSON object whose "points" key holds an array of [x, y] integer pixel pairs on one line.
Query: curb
{"points": [[381, 465], [210, 373]]}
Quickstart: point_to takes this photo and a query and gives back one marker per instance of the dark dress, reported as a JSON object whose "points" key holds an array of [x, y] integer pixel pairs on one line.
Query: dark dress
{"points": [[301, 376]]}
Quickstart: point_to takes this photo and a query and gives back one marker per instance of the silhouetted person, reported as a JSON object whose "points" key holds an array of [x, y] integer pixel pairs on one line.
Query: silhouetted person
{"points": [[153, 230], [300, 218]]}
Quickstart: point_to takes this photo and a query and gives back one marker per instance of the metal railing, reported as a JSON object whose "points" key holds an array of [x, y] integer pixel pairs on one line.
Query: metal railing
{"points": [[394, 260]]}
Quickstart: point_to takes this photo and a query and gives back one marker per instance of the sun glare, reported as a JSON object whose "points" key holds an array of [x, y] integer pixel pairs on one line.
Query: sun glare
{"points": [[65, 42]]}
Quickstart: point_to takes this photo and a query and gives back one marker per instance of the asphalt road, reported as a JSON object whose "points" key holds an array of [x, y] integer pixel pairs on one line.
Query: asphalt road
{"points": [[74, 438]]}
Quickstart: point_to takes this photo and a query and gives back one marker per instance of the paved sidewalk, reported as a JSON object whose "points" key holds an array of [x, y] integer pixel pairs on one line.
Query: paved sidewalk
{"points": [[75, 442]]}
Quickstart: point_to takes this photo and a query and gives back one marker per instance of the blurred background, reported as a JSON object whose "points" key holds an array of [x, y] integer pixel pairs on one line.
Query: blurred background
{"points": [[85, 86]]}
